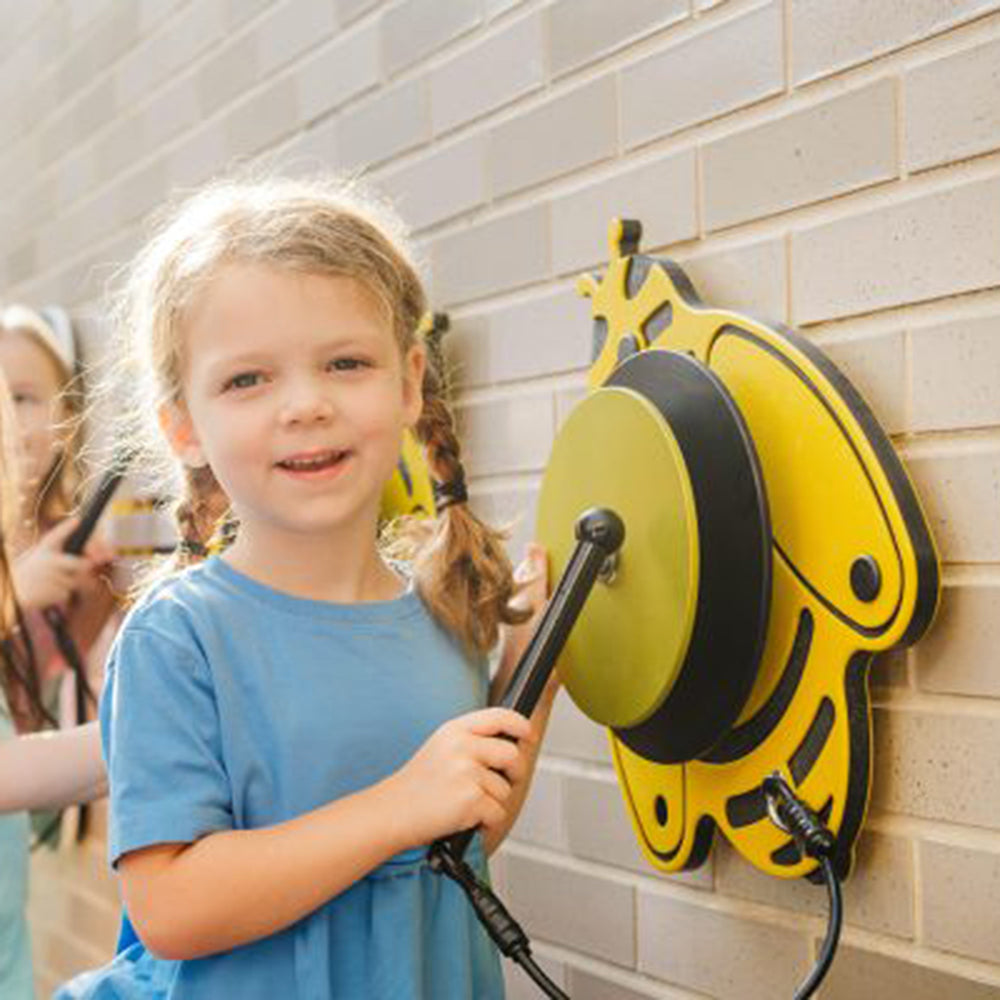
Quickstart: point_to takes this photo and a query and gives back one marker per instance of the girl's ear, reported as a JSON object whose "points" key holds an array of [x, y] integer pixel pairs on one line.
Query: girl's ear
{"points": [[178, 429], [414, 365]]}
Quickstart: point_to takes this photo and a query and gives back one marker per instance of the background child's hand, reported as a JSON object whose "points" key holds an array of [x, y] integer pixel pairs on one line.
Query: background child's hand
{"points": [[45, 575], [461, 777]]}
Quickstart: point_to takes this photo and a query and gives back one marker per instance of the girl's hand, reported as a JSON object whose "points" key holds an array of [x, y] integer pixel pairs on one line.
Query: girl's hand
{"points": [[532, 572], [45, 575], [461, 777]]}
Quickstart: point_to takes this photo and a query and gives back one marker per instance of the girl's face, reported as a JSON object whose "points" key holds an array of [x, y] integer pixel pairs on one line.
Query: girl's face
{"points": [[36, 385], [296, 394]]}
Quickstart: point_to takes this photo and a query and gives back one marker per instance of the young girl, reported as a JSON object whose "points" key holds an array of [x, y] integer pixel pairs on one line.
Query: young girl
{"points": [[290, 724], [36, 772], [38, 358]]}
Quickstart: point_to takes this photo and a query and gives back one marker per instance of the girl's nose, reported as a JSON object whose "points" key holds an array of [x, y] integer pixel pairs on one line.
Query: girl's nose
{"points": [[306, 401]]}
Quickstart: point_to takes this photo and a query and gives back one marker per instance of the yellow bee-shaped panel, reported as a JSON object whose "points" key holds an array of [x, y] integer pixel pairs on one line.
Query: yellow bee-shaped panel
{"points": [[411, 489], [853, 572]]}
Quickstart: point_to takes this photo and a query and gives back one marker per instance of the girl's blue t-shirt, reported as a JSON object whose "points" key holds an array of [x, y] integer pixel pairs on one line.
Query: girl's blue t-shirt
{"points": [[230, 705]]}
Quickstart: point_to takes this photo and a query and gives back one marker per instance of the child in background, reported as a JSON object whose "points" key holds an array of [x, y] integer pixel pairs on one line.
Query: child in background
{"points": [[38, 358], [36, 772], [289, 724]]}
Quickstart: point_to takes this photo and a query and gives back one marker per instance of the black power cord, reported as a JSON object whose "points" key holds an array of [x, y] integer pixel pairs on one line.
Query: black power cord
{"points": [[789, 813], [505, 931]]}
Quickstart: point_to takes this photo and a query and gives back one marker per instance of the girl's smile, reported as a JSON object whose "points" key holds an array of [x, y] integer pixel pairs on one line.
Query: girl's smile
{"points": [[315, 465]]}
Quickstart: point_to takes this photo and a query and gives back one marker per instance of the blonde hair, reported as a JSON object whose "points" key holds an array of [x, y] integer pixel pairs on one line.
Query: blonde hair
{"points": [[19, 680], [324, 227], [56, 494]]}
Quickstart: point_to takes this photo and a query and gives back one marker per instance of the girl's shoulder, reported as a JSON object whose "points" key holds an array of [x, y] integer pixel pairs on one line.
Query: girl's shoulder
{"points": [[172, 605]]}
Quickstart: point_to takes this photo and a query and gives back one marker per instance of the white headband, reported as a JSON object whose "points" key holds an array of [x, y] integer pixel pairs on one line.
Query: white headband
{"points": [[51, 325]]}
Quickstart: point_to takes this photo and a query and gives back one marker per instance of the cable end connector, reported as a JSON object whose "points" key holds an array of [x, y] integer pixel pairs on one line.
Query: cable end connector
{"points": [[789, 813]]}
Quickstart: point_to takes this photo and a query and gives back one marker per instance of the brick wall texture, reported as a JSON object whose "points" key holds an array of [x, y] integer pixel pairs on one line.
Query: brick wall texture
{"points": [[831, 164]]}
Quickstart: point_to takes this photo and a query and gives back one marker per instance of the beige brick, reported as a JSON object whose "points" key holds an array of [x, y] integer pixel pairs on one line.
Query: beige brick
{"points": [[341, 69], [599, 829], [583, 30], [506, 435], [750, 277], [958, 655], [490, 257], [661, 194], [292, 28], [498, 70], [834, 147], [828, 35], [956, 371], [393, 120], [934, 245], [572, 908], [960, 889], [959, 487], [229, 72], [540, 336], [100, 45], [162, 56], [174, 109], [349, 10], [513, 510], [263, 119], [724, 67], [198, 156], [78, 120], [681, 942], [589, 986], [541, 819], [113, 150], [953, 107], [878, 896], [572, 734], [875, 365], [889, 669], [415, 28], [858, 973], [449, 181], [937, 766], [585, 122]]}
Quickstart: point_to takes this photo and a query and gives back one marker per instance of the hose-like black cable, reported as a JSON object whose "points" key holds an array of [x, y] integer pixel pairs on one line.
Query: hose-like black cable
{"points": [[541, 980], [505, 931], [822, 966], [789, 813]]}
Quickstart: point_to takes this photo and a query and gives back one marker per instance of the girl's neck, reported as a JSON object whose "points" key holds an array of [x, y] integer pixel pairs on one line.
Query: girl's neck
{"points": [[344, 569]]}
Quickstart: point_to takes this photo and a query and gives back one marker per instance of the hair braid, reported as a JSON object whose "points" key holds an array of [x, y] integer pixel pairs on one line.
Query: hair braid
{"points": [[462, 570], [198, 513]]}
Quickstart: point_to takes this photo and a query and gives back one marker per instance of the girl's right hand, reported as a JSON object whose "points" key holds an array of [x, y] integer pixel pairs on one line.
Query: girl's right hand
{"points": [[461, 777], [45, 575]]}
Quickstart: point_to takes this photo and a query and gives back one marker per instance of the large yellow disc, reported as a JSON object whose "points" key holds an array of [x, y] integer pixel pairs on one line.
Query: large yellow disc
{"points": [[616, 450]]}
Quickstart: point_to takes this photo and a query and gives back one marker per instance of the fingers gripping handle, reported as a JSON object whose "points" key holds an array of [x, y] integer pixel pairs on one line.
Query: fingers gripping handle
{"points": [[599, 534]]}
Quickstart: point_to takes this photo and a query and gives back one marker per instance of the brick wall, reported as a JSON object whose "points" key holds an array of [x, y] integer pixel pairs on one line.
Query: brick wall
{"points": [[832, 164]]}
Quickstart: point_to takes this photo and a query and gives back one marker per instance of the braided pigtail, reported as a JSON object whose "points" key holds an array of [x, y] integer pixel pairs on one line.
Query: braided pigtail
{"points": [[199, 513], [462, 569]]}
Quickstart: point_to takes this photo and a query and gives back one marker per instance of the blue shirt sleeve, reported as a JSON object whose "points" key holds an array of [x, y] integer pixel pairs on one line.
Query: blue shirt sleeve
{"points": [[162, 744]]}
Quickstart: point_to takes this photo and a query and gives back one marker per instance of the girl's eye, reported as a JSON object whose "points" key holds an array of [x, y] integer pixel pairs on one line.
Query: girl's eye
{"points": [[244, 380], [347, 364], [20, 398]]}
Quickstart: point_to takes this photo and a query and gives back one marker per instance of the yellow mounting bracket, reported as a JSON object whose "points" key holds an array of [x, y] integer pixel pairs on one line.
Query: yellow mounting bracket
{"points": [[410, 490], [774, 545]]}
